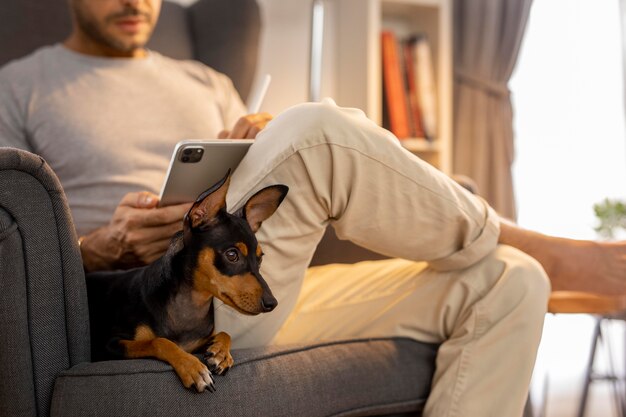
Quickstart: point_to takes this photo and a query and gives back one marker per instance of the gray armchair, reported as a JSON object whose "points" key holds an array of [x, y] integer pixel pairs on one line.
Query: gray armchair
{"points": [[45, 365]]}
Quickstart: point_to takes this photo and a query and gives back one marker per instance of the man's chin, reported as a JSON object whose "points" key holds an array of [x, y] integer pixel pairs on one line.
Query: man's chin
{"points": [[128, 48]]}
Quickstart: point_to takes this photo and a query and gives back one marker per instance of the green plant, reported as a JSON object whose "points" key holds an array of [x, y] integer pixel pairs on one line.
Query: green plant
{"points": [[612, 216]]}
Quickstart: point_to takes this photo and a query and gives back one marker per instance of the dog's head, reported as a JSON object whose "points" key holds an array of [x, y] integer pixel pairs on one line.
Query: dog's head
{"points": [[226, 253]]}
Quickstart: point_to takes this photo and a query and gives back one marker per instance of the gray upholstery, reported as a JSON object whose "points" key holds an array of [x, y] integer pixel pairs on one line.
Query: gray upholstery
{"points": [[347, 378], [172, 36], [233, 52], [34, 24], [44, 324], [44, 354]]}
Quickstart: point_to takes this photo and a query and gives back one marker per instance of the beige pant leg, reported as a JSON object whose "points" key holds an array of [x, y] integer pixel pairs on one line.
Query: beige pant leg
{"points": [[344, 170], [488, 318]]}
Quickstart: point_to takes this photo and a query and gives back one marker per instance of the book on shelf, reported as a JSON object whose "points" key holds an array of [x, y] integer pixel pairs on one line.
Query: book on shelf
{"points": [[409, 87], [426, 84], [415, 112], [394, 89]]}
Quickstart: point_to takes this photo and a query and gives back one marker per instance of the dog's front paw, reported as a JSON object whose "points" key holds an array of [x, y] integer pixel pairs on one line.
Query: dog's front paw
{"points": [[192, 372], [217, 355]]}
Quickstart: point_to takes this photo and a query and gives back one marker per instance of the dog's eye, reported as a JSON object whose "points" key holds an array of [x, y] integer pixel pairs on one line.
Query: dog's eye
{"points": [[232, 255]]}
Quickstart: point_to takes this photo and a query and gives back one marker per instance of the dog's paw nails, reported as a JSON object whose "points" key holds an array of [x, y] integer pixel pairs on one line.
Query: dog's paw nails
{"points": [[218, 368], [217, 356], [193, 373], [218, 362], [204, 381]]}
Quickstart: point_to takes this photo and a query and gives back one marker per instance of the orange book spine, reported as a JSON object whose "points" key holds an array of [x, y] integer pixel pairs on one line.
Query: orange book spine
{"points": [[395, 91]]}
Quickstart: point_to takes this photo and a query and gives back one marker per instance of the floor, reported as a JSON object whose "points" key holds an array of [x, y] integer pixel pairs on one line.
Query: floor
{"points": [[559, 373]]}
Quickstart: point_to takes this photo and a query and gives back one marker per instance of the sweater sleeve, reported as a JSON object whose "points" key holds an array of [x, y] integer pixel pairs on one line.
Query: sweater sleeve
{"points": [[231, 104], [12, 113]]}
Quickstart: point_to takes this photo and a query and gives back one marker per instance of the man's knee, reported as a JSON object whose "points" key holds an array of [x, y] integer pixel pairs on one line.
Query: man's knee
{"points": [[311, 124], [525, 283]]}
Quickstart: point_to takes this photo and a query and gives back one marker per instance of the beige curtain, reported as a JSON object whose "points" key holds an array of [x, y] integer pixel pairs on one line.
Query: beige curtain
{"points": [[488, 35]]}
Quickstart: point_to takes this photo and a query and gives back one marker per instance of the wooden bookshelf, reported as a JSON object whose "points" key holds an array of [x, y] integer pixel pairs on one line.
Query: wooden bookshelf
{"points": [[359, 76]]}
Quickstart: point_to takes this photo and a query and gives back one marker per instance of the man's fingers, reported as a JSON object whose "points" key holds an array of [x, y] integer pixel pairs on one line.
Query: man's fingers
{"points": [[256, 129], [265, 117], [163, 215], [249, 126], [151, 240], [156, 250], [142, 199], [252, 132], [240, 129], [223, 134]]}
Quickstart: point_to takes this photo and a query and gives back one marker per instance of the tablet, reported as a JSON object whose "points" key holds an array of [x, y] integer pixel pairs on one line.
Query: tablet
{"points": [[198, 164]]}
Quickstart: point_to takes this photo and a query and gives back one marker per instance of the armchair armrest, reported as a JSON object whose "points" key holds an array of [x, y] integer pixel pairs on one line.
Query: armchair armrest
{"points": [[43, 299]]}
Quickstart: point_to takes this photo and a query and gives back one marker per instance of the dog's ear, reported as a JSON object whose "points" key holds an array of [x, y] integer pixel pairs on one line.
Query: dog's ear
{"points": [[208, 204], [262, 205]]}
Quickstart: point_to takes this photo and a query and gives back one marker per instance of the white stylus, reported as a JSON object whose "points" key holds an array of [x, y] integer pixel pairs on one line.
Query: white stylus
{"points": [[256, 98]]}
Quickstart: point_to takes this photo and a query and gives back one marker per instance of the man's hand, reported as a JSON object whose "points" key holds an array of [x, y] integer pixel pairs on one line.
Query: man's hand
{"points": [[247, 127], [138, 233]]}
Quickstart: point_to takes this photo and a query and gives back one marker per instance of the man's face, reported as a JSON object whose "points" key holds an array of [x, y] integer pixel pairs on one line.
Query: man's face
{"points": [[122, 26]]}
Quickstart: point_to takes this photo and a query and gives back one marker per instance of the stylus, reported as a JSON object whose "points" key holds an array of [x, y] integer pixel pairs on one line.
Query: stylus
{"points": [[256, 98]]}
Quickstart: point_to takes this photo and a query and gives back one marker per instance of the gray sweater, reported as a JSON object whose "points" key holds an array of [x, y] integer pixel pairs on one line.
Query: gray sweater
{"points": [[107, 126]]}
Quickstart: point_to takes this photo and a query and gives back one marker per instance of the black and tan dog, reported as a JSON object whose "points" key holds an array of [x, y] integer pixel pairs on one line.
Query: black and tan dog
{"points": [[164, 310]]}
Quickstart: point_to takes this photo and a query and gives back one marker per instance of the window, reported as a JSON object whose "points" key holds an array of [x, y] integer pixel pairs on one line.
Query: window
{"points": [[569, 116], [567, 92]]}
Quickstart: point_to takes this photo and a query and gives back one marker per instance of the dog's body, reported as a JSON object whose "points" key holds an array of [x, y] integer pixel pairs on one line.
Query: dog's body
{"points": [[156, 296], [164, 310]]}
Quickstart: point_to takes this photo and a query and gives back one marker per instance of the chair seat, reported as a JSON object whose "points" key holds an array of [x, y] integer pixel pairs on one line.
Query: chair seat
{"points": [[350, 378]]}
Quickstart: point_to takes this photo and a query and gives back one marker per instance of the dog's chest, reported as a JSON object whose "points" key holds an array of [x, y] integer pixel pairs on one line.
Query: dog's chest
{"points": [[187, 321]]}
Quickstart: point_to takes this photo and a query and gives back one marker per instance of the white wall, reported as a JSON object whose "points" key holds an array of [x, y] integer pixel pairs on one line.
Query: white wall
{"points": [[284, 51]]}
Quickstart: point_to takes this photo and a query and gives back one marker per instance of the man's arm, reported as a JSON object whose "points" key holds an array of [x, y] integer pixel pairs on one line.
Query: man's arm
{"points": [[12, 119], [572, 265], [138, 233]]}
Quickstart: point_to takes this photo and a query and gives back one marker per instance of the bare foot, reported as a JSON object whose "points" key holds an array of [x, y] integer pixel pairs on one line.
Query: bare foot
{"points": [[573, 265]]}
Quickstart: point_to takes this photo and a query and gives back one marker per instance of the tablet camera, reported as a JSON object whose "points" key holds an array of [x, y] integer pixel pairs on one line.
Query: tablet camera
{"points": [[191, 154]]}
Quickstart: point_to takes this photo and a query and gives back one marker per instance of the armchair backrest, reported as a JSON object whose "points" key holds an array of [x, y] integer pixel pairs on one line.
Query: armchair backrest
{"points": [[223, 34]]}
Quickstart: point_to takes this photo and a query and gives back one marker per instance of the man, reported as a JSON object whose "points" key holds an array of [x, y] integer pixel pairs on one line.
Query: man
{"points": [[105, 113]]}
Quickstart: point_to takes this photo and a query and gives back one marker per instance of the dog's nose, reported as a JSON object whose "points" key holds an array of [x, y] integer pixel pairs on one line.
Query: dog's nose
{"points": [[268, 302]]}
